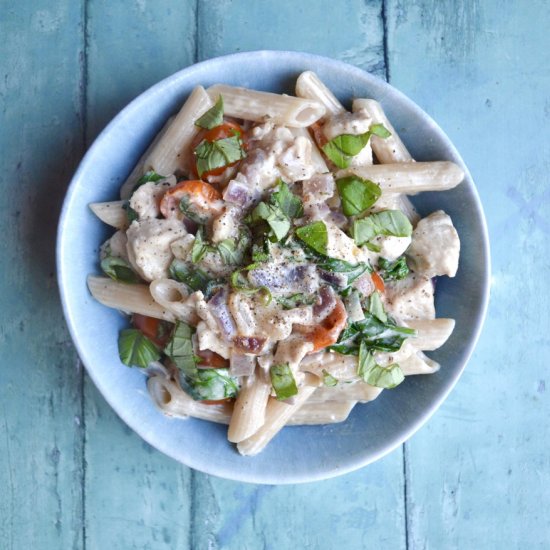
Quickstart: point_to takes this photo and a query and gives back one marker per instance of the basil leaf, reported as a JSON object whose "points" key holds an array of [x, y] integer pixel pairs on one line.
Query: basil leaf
{"points": [[385, 377], [328, 379], [290, 205], [393, 271], [261, 252], [380, 130], [213, 117], [351, 271], [180, 349], [283, 381], [314, 235], [357, 194], [119, 270], [273, 215], [194, 278], [240, 283], [296, 300], [387, 222], [365, 362], [342, 148], [188, 209], [232, 251], [218, 154], [200, 247], [131, 214], [376, 308], [212, 385], [135, 349], [146, 178]]}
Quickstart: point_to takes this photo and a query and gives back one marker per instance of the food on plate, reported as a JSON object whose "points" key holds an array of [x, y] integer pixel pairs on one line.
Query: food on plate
{"points": [[272, 266]]}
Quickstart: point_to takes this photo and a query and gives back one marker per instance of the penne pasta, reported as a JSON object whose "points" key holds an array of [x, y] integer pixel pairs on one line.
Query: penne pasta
{"points": [[131, 298], [317, 158], [321, 413], [432, 333], [387, 150], [277, 415], [266, 106], [354, 391], [169, 154], [139, 169], [310, 86], [410, 178], [418, 363], [250, 408], [173, 401], [174, 297], [112, 213]]}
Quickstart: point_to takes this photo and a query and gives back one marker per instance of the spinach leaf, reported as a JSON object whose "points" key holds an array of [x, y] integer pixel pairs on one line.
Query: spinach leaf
{"points": [[376, 375], [135, 349], [393, 271]]}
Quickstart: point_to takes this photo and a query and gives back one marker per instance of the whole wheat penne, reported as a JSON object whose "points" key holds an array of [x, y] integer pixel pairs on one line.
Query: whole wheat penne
{"points": [[173, 401], [353, 391], [139, 168], [266, 106], [174, 297], [410, 178], [249, 410], [277, 415], [316, 157], [309, 85], [418, 363], [321, 413], [112, 213], [432, 333], [169, 155], [131, 298]]}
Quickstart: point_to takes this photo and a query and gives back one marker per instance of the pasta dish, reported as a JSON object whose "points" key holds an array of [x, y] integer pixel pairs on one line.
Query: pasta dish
{"points": [[272, 266]]}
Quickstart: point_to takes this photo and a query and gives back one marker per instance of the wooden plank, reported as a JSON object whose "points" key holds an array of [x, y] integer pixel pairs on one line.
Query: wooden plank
{"points": [[40, 143], [136, 497], [351, 508], [480, 470]]}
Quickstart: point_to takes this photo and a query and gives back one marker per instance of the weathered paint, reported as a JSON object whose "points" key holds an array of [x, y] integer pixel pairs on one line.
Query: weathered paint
{"points": [[75, 477]]}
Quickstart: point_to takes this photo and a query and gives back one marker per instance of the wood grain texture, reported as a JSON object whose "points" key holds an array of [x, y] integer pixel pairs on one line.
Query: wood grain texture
{"points": [[480, 470], [40, 144], [135, 496]]}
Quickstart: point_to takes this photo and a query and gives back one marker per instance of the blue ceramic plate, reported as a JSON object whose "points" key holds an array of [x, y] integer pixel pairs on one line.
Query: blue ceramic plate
{"points": [[297, 454]]}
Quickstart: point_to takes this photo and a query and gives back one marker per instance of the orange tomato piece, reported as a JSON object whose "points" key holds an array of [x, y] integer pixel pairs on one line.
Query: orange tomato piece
{"points": [[152, 328], [211, 360], [202, 198], [378, 282], [329, 329]]}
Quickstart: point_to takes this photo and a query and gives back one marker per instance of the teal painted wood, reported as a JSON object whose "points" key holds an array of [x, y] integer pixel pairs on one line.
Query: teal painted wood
{"points": [[40, 144], [480, 470], [135, 496]]}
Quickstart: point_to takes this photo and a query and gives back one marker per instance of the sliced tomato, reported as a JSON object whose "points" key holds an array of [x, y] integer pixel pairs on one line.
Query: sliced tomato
{"points": [[378, 282], [225, 130], [316, 131], [328, 330], [201, 196], [155, 329], [211, 360]]}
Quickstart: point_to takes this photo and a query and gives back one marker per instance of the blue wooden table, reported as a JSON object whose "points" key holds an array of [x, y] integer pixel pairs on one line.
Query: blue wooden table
{"points": [[72, 475]]}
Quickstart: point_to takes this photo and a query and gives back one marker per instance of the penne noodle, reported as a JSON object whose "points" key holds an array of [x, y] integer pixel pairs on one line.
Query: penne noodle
{"points": [[317, 158], [174, 297], [354, 391], [432, 333], [277, 415], [249, 409], [410, 178], [321, 413], [310, 86], [387, 150], [112, 213], [418, 363], [169, 155], [131, 298], [139, 169], [266, 106], [173, 401]]}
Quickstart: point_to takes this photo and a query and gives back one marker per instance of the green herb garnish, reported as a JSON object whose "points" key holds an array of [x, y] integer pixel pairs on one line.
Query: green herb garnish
{"points": [[357, 194], [315, 235], [328, 379], [393, 271], [135, 349], [218, 154], [283, 381], [119, 270], [376, 308], [382, 377], [387, 222], [296, 300], [213, 117]]}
